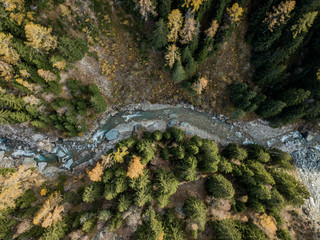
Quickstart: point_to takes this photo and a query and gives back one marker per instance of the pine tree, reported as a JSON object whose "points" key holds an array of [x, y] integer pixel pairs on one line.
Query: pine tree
{"points": [[270, 108], [159, 35], [233, 151], [178, 73], [188, 62], [164, 8], [304, 24], [219, 187], [174, 25], [124, 202], [294, 96], [92, 192]]}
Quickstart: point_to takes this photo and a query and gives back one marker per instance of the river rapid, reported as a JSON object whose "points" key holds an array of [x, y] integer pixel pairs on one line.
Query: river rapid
{"points": [[21, 145]]}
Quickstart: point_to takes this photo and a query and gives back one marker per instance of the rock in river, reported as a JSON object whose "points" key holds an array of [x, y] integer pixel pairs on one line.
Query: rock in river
{"points": [[112, 134], [29, 162]]}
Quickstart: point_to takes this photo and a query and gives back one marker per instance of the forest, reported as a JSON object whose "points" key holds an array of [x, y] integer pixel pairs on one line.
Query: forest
{"points": [[152, 173]]}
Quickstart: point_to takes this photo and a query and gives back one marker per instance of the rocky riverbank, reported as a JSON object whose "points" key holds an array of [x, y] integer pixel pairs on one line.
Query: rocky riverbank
{"points": [[21, 145]]}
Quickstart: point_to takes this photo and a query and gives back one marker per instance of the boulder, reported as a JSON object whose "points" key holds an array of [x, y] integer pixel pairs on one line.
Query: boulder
{"points": [[1, 155], [45, 145], [29, 162], [112, 134], [42, 166], [7, 162]]}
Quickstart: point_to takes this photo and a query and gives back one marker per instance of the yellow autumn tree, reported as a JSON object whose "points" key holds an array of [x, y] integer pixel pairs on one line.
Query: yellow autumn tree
{"points": [[279, 15], [17, 17], [172, 55], [235, 12], [11, 5], [47, 75], [53, 217], [195, 4], [120, 154], [60, 64], [212, 30], [32, 100], [200, 85], [189, 29], [96, 173], [146, 8], [26, 84], [318, 74], [39, 37], [24, 73], [49, 205], [7, 53], [6, 71], [174, 25], [135, 168], [14, 185]]}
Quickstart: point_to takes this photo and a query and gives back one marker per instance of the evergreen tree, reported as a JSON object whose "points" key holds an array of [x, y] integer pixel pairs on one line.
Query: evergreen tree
{"points": [[294, 96], [270, 108], [188, 62], [164, 8], [92, 192], [233, 151], [159, 35], [178, 74], [226, 230], [219, 187]]}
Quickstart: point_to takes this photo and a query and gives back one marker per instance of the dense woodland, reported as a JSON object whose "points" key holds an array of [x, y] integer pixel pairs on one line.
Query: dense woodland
{"points": [[252, 179]]}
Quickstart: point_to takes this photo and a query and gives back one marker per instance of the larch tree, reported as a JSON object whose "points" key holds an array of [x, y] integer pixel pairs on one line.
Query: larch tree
{"points": [[7, 53], [14, 185], [174, 25], [96, 173], [172, 55], [48, 76], [200, 85], [146, 8], [135, 168], [120, 154], [39, 37], [303, 23], [53, 217], [12, 5], [195, 4], [235, 12], [49, 205], [279, 15], [189, 29], [213, 29]]}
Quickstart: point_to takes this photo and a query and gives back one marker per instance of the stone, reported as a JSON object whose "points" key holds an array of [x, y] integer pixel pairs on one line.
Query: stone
{"points": [[309, 137], [1, 155], [7, 162], [112, 134], [68, 164], [45, 146], [61, 154], [29, 162], [42, 166], [184, 124], [37, 137], [172, 123]]}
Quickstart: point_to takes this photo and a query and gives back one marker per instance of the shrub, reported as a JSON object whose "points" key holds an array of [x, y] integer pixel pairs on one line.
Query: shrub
{"points": [[219, 187], [283, 234]]}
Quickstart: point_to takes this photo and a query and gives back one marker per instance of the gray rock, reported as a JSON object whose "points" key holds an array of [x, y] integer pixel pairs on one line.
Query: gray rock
{"points": [[42, 166], [37, 137], [184, 124], [7, 162], [61, 154], [112, 134], [29, 162], [309, 137], [172, 123], [1, 155], [45, 146], [68, 164]]}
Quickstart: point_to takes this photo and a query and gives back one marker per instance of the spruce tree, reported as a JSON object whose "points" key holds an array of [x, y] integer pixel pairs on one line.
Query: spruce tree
{"points": [[270, 108], [159, 35], [178, 74], [164, 8]]}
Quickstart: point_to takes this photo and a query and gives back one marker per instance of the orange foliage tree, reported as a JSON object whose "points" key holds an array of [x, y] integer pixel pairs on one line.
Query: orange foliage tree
{"points": [[135, 168]]}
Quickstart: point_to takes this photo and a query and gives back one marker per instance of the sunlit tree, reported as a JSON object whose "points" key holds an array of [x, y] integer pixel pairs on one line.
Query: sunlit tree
{"points": [[7, 53], [39, 37], [235, 12], [135, 168], [172, 55], [304, 23], [279, 15], [195, 4], [146, 8], [212, 30], [174, 25], [189, 29]]}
